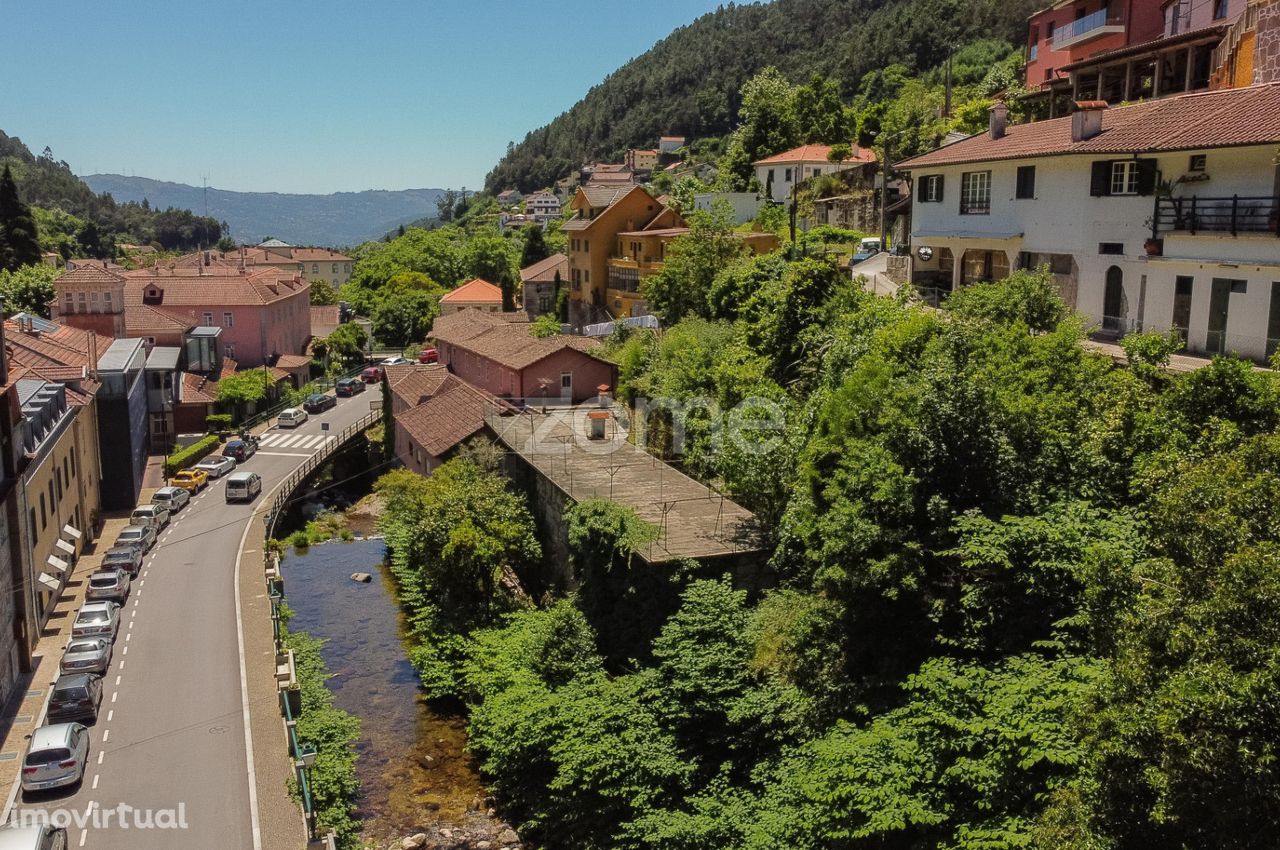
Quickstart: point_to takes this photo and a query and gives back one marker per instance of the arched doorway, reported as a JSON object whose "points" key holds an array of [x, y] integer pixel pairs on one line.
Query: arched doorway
{"points": [[1114, 307]]}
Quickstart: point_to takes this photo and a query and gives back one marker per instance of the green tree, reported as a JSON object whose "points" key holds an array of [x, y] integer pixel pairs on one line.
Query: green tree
{"points": [[768, 115], [29, 289], [819, 114], [535, 246], [388, 419], [19, 240], [404, 318], [323, 293], [692, 262], [346, 343], [493, 258]]}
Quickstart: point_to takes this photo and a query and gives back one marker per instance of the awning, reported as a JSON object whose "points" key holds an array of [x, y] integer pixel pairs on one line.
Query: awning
{"points": [[70, 531], [50, 582], [58, 564], [65, 547]]}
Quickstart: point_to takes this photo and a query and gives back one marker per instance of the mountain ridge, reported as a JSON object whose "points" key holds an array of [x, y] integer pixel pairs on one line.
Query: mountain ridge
{"points": [[336, 219]]}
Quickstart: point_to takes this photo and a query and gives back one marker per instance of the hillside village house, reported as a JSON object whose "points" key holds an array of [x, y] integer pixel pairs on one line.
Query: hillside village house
{"points": [[475, 294], [309, 263], [429, 432], [509, 197], [538, 282], [1164, 214], [497, 353], [542, 206], [779, 174]]}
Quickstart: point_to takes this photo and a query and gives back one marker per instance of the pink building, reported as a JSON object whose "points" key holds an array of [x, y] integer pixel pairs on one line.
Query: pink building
{"points": [[429, 431], [498, 354]]}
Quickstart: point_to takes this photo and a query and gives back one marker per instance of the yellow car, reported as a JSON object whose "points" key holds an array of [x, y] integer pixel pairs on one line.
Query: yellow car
{"points": [[191, 480]]}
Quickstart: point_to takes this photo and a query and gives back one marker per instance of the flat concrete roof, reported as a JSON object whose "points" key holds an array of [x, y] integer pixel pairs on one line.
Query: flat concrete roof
{"points": [[693, 520]]}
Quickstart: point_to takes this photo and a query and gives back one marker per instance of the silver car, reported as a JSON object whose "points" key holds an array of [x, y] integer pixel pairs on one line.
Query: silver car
{"points": [[153, 515], [172, 499], [40, 837], [87, 655], [97, 619], [142, 535], [56, 757], [217, 465], [127, 558], [110, 585]]}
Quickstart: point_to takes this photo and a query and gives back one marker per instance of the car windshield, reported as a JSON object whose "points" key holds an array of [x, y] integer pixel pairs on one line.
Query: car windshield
{"points": [[41, 757], [103, 581], [92, 617], [78, 692], [117, 557], [83, 646], [131, 534]]}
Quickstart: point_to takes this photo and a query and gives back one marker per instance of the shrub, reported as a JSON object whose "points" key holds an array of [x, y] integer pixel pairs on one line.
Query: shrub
{"points": [[192, 453], [218, 422]]}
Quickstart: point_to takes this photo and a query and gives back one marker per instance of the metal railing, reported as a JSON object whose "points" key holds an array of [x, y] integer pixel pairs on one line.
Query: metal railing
{"points": [[1235, 214], [320, 384], [1082, 27]]}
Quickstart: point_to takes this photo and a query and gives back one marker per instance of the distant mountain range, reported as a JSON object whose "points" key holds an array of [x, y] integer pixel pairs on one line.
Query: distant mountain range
{"points": [[337, 220]]}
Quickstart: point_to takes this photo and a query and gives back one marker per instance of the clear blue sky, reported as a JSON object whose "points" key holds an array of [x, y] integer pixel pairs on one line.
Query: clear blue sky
{"points": [[309, 95]]}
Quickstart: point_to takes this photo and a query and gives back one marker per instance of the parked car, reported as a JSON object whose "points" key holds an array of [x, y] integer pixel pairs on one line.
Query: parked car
{"points": [[108, 584], [349, 387], [291, 418], [240, 450], [127, 558], [243, 486], [153, 515], [397, 360], [867, 249], [86, 655], [428, 355], [371, 375], [56, 757], [97, 619], [192, 480], [319, 403], [40, 837], [76, 696], [172, 499], [216, 466], [143, 535]]}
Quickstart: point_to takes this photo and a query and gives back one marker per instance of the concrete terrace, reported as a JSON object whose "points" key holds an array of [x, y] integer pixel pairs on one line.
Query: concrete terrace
{"points": [[693, 520]]}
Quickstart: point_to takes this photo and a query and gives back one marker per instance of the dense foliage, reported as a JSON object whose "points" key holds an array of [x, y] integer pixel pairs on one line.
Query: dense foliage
{"points": [[691, 83], [76, 222]]}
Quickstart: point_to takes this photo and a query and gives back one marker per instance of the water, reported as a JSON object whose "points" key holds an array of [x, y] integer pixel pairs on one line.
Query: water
{"points": [[413, 766]]}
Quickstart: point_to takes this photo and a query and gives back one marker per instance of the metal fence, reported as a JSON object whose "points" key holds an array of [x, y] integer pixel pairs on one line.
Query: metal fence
{"points": [[320, 385]]}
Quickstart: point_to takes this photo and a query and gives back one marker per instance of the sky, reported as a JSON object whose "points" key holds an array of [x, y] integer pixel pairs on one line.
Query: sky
{"points": [[308, 95]]}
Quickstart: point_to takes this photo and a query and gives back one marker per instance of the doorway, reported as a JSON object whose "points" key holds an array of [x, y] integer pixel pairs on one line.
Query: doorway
{"points": [[1114, 308], [566, 386], [1182, 305], [1219, 306]]}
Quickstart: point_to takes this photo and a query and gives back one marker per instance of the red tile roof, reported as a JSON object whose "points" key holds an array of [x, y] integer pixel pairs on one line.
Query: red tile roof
{"points": [[217, 286], [143, 320], [544, 271], [507, 343], [414, 383], [197, 390], [66, 346], [1212, 119], [293, 361], [474, 291], [453, 414], [815, 153], [326, 314]]}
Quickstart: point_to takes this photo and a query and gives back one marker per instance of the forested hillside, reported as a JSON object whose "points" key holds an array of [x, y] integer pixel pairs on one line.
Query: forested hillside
{"points": [[690, 82], [75, 221]]}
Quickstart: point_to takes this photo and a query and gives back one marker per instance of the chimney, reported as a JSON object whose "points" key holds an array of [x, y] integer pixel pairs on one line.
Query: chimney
{"points": [[1086, 121], [998, 119]]}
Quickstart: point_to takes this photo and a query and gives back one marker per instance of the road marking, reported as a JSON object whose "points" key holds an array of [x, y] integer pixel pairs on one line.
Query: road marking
{"points": [[95, 787], [114, 694], [126, 652], [84, 834], [244, 687], [117, 684], [106, 733], [141, 583], [101, 754], [111, 713], [122, 662], [283, 454], [129, 636]]}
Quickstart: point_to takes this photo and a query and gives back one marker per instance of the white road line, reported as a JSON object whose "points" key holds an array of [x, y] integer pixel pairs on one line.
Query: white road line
{"points": [[249, 525], [122, 663], [126, 650], [141, 583], [101, 755], [117, 684], [114, 694], [106, 733], [283, 454], [111, 715], [84, 833], [95, 782], [129, 636]]}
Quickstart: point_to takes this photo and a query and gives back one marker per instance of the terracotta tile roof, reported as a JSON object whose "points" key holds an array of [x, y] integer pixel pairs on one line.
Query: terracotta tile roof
{"points": [[197, 389], [414, 383], [507, 343], [66, 346], [292, 361], [1224, 118], [92, 273], [544, 271], [217, 286], [326, 314], [815, 153], [474, 291], [308, 255], [143, 320], [662, 231], [454, 413], [229, 367]]}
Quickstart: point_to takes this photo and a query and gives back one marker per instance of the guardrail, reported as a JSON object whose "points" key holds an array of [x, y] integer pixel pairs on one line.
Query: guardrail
{"points": [[1235, 214], [320, 384]]}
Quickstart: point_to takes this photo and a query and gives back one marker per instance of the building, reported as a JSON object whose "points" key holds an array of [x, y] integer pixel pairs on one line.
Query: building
{"points": [[745, 205], [510, 197], [499, 355], [540, 284], [543, 206], [122, 422], [413, 383], [600, 214], [428, 433], [779, 174], [607, 174], [475, 294], [324, 264], [670, 144], [17, 636], [61, 481], [641, 160], [1155, 216]]}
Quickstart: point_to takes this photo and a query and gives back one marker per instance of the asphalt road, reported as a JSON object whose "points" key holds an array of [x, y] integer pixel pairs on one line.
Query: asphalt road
{"points": [[171, 732]]}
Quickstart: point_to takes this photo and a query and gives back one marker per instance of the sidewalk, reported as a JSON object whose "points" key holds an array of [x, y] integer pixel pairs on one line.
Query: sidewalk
{"points": [[29, 712]]}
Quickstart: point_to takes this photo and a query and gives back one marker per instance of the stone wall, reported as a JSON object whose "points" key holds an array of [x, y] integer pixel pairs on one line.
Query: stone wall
{"points": [[1266, 64], [898, 269]]}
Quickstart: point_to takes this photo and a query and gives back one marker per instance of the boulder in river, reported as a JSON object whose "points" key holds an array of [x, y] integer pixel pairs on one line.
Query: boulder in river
{"points": [[363, 578]]}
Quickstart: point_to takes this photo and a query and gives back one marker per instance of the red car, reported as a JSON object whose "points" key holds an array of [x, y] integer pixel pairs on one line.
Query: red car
{"points": [[371, 375], [429, 355]]}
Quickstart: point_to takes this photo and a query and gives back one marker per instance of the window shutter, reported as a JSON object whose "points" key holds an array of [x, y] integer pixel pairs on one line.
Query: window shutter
{"points": [[1100, 179], [939, 178], [922, 188], [1147, 174]]}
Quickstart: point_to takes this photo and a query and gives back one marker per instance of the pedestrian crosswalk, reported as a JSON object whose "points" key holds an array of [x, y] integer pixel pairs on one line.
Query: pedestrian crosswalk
{"points": [[285, 440]]}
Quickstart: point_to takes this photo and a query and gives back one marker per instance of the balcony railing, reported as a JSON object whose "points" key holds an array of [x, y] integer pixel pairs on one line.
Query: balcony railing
{"points": [[1098, 23], [1234, 215]]}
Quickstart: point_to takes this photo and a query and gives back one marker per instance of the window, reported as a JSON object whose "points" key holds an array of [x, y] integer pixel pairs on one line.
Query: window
{"points": [[786, 175], [106, 302], [1220, 9], [1048, 31], [930, 190], [817, 172], [34, 534], [228, 320], [44, 520], [208, 320], [975, 193], [1239, 287], [81, 301], [315, 268], [73, 466], [586, 245], [1026, 182], [229, 351], [1197, 163], [334, 269], [1110, 247], [1124, 177], [70, 305], [771, 177], [1048, 74], [566, 380]]}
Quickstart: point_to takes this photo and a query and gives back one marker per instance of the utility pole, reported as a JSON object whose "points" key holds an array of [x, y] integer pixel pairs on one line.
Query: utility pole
{"points": [[946, 107], [884, 190]]}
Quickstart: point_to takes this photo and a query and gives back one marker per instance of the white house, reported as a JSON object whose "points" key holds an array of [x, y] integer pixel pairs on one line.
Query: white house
{"points": [[779, 173], [1164, 214], [745, 205], [543, 206]]}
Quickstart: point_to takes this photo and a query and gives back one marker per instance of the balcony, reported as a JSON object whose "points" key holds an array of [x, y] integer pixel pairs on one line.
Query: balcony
{"points": [[1232, 215], [1101, 22]]}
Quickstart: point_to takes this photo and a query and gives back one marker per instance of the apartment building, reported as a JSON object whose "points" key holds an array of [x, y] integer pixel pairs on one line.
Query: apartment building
{"points": [[1154, 216]]}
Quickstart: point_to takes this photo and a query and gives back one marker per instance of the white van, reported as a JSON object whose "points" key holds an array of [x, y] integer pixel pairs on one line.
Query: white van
{"points": [[291, 418], [243, 486]]}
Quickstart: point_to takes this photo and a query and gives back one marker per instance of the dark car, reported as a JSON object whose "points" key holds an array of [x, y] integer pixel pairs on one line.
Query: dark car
{"points": [[76, 696], [349, 387], [318, 403], [240, 450]]}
